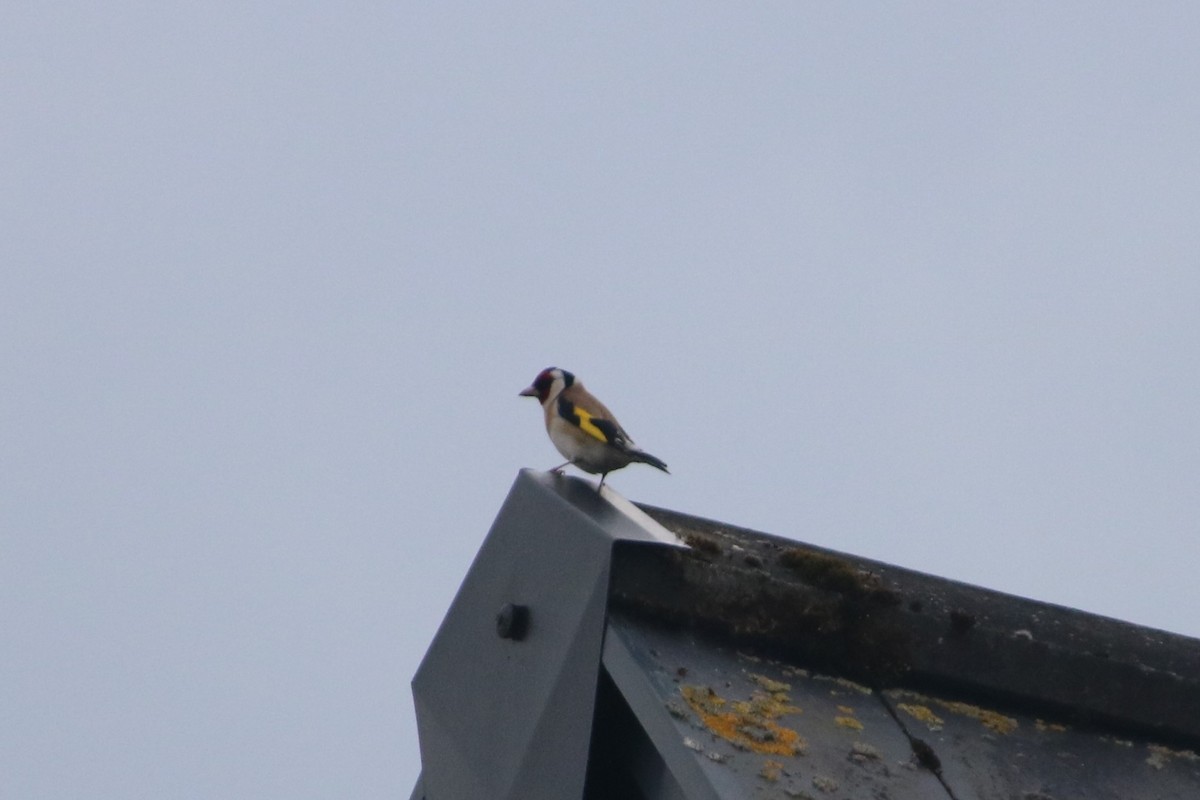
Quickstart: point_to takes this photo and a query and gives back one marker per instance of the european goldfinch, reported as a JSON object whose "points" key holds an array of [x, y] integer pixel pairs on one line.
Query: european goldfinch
{"points": [[582, 429]]}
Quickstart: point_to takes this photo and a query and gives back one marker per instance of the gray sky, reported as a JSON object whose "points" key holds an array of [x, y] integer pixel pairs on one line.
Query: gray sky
{"points": [[920, 282]]}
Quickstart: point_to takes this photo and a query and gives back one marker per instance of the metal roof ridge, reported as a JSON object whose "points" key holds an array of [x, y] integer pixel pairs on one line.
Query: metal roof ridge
{"points": [[894, 627]]}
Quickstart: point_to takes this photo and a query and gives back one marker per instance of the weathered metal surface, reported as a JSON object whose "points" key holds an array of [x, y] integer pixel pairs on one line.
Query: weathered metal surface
{"points": [[888, 626], [709, 664], [991, 753], [731, 725]]}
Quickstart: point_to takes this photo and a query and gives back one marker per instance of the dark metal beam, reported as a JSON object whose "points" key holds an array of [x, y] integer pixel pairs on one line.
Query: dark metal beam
{"points": [[504, 696]]}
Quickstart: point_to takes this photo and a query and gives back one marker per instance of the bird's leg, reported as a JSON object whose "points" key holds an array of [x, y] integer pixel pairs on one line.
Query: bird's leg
{"points": [[600, 485], [561, 467]]}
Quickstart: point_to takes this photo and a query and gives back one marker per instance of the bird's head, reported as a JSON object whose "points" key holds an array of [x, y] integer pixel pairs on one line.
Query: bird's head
{"points": [[548, 384]]}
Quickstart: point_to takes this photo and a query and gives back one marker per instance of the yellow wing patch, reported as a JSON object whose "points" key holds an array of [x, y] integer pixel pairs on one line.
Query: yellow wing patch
{"points": [[599, 428], [584, 420]]}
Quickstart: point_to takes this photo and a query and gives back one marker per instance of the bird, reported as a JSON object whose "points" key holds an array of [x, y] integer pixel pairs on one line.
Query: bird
{"points": [[582, 429]]}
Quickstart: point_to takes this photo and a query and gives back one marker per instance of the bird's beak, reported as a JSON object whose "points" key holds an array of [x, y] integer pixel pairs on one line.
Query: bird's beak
{"points": [[528, 392]]}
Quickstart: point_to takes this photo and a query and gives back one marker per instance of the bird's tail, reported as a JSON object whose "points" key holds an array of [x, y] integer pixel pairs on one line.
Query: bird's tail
{"points": [[646, 458]]}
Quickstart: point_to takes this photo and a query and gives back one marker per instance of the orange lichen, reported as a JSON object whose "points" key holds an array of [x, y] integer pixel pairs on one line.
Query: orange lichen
{"points": [[922, 714], [772, 686], [847, 719], [992, 720], [748, 724]]}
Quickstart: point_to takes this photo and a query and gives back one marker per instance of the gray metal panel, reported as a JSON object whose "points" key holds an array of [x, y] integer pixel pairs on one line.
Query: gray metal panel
{"points": [[511, 718], [889, 626], [987, 753], [624, 763], [730, 725], [418, 792], [674, 773], [719, 716]]}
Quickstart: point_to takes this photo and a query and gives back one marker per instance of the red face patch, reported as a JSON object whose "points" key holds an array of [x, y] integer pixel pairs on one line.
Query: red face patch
{"points": [[543, 382]]}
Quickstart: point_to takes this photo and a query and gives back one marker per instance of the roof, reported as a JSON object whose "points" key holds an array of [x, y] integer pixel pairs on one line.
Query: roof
{"points": [[588, 656]]}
